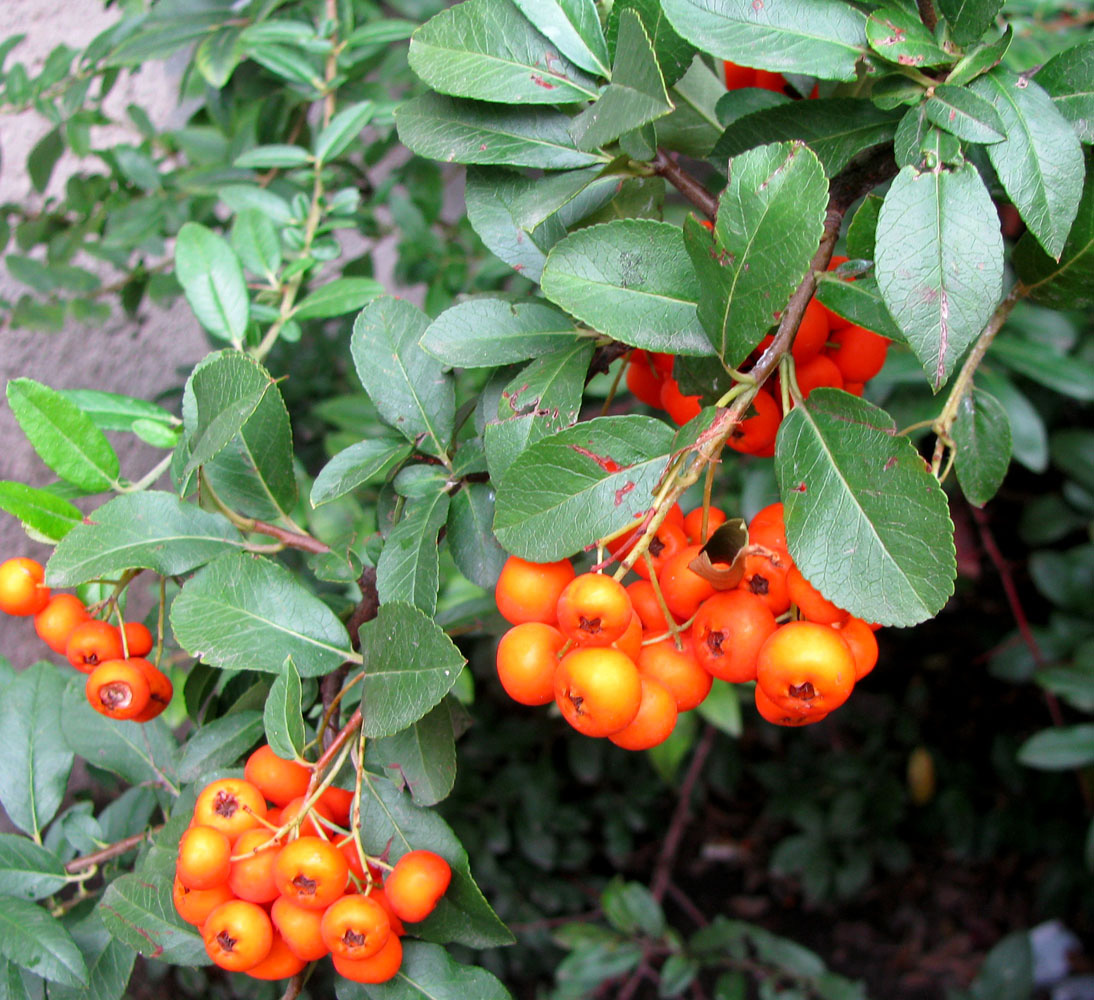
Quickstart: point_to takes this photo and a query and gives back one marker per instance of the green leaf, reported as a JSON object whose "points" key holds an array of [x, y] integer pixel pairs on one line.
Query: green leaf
{"points": [[367, 461], [246, 613], [147, 530], [573, 26], [428, 973], [636, 95], [43, 158], [1068, 284], [1027, 427], [542, 398], [471, 536], [218, 55], [896, 33], [391, 822], [64, 437], [1040, 164], [240, 197], [137, 909], [969, 19], [1068, 78], [694, 126], [579, 484], [35, 765], [837, 459], [281, 719], [836, 129], [484, 333], [290, 65], [487, 50], [110, 411], [27, 870], [32, 939], [981, 433], [226, 395], [410, 665], [219, 743], [409, 388], [422, 757], [969, 117], [43, 512], [1059, 749], [819, 37], [677, 974], [256, 242], [138, 752], [212, 279], [862, 232], [770, 219], [1069, 375], [674, 54], [520, 218], [980, 58], [859, 302], [939, 262], [450, 130], [109, 963], [280, 157], [632, 909], [335, 298], [342, 130], [409, 565], [632, 280], [722, 708], [1008, 970]]}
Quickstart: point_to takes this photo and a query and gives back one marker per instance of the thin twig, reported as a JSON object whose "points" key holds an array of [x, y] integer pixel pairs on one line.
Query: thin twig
{"points": [[111, 851], [927, 14], [294, 986], [688, 186]]}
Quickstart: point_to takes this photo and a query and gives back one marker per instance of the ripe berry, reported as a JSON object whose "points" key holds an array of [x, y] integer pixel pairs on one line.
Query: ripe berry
{"points": [[22, 591], [230, 805], [378, 969], [280, 781], [203, 858], [598, 690], [654, 722], [117, 689], [55, 622], [311, 872], [93, 642], [355, 927], [238, 935], [526, 662], [529, 592], [416, 883], [805, 668], [594, 610]]}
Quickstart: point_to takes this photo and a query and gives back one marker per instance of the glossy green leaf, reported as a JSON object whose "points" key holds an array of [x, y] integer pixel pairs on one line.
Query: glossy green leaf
{"points": [[218, 55], [722, 708], [240, 197], [27, 870], [289, 64], [939, 262], [212, 279], [428, 973], [981, 433], [246, 613], [256, 242], [408, 386], [109, 963], [281, 718], [470, 535], [1068, 283], [366, 462], [43, 512], [770, 219], [410, 665], [980, 58], [111, 411], [896, 33], [542, 398], [1068, 78], [1029, 438], [674, 54], [836, 129], [340, 133], [451, 130], [858, 301], [636, 95], [138, 910], [838, 461], [409, 565], [969, 19], [64, 437], [484, 333], [969, 117], [573, 26], [1059, 749], [579, 484], [422, 757], [819, 37], [390, 821], [862, 232], [1069, 375], [338, 297], [1040, 164], [488, 50], [138, 752], [148, 530], [280, 157], [631, 280], [694, 126], [219, 743], [35, 765], [31, 938]]}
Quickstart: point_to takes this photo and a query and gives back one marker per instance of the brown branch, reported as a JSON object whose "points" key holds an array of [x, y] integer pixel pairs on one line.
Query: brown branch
{"points": [[110, 851], [927, 14], [687, 185], [333, 750], [292, 539], [329, 687], [366, 608], [294, 986]]}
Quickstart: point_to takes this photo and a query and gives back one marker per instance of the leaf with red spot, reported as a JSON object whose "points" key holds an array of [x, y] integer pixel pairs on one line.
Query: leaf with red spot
{"points": [[939, 262], [138, 910], [896, 33]]}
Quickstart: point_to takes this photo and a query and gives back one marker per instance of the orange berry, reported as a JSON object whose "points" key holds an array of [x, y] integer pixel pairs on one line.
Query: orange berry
{"points": [[93, 642], [812, 334], [766, 80], [858, 353], [310, 827], [311, 872], [693, 523], [630, 642], [117, 689], [643, 379], [738, 77], [526, 662], [203, 858], [677, 670], [598, 690], [679, 407], [278, 780], [251, 876], [416, 883], [280, 963], [377, 892], [645, 603], [654, 722], [339, 801], [780, 716], [766, 578], [805, 668], [811, 603], [22, 591], [728, 632], [55, 622], [767, 529], [160, 689], [860, 637], [757, 431], [594, 610], [683, 589], [817, 373], [138, 639], [195, 905], [666, 542], [231, 805], [300, 927], [529, 592], [378, 969], [355, 927], [238, 935]]}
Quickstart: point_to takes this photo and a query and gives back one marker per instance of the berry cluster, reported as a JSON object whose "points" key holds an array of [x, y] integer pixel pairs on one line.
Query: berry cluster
{"points": [[121, 683], [274, 881], [827, 351], [622, 662]]}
